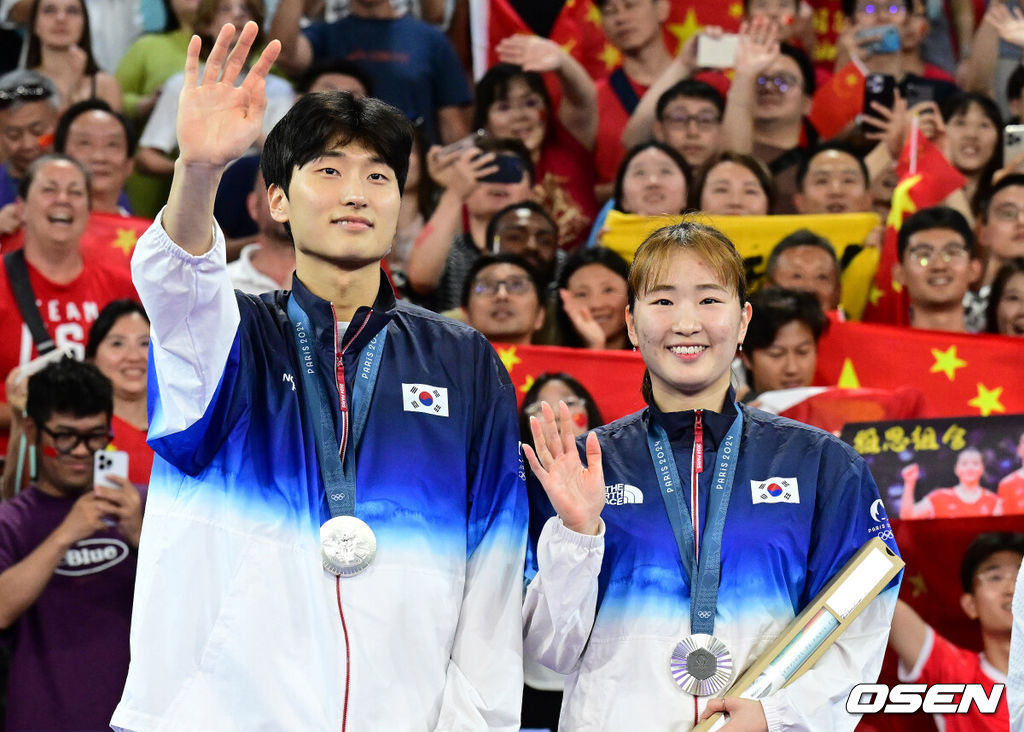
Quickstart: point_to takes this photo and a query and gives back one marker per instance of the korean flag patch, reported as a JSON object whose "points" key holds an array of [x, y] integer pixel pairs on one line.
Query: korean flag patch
{"points": [[775, 490], [425, 398]]}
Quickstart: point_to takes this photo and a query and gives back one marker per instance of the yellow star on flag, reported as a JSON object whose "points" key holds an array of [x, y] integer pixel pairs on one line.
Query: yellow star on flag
{"points": [[848, 377], [736, 10], [987, 400], [875, 295], [610, 55], [902, 203], [896, 286], [527, 384], [689, 26], [509, 358], [594, 15], [125, 241], [569, 45], [918, 583], [947, 362]]}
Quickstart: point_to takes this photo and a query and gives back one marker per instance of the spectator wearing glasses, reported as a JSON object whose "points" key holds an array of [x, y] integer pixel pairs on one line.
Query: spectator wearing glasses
{"points": [[67, 561], [688, 119], [767, 102], [502, 299], [936, 266], [1000, 239], [634, 27], [988, 575], [28, 117]]}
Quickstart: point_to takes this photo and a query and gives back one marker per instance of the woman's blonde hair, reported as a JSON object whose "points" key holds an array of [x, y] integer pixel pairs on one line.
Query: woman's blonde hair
{"points": [[654, 257]]}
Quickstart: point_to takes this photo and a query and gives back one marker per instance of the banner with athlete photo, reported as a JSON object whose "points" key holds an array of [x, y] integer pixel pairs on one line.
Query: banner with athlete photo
{"points": [[945, 468]]}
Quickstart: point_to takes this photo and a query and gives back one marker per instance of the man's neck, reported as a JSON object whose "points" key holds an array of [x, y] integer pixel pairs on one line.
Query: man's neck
{"points": [[645, 64], [347, 290], [997, 649], [948, 318], [106, 202], [58, 262], [478, 232], [991, 268], [783, 134], [275, 259], [369, 9]]}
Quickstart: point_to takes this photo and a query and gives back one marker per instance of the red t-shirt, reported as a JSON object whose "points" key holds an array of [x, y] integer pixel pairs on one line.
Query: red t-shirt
{"points": [[67, 311], [565, 186], [947, 504], [949, 664], [1011, 490], [132, 440], [611, 119]]}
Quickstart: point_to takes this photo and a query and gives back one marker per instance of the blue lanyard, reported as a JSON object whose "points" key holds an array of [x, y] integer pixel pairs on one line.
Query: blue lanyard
{"points": [[337, 463], [703, 567]]}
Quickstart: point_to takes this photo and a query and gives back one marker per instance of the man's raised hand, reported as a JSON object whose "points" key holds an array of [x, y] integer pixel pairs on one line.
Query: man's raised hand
{"points": [[217, 122]]}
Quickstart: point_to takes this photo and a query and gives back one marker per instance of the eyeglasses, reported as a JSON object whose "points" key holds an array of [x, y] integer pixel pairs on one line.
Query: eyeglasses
{"points": [[783, 81], [518, 238], [574, 403], [1007, 213], [874, 9], [23, 91], [67, 440], [512, 285], [704, 121], [997, 575], [925, 255]]}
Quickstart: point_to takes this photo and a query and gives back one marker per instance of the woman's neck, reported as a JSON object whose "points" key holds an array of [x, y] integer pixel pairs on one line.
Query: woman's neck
{"points": [[132, 409], [59, 262], [711, 398]]}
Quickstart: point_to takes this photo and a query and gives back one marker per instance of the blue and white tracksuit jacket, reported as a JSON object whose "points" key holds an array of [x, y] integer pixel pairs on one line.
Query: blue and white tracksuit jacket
{"points": [[236, 625], [609, 609]]}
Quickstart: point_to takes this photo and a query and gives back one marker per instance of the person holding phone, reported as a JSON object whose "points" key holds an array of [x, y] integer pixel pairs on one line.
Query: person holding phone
{"points": [[478, 181], [67, 560]]}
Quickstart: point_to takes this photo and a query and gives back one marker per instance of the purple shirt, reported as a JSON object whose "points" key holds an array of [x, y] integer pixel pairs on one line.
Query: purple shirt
{"points": [[70, 649]]}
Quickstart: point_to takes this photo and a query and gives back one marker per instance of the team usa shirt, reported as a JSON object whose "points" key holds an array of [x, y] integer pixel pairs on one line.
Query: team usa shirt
{"points": [[610, 609], [236, 625]]}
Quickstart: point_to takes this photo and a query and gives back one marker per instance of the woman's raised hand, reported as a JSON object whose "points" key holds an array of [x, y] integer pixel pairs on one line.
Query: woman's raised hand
{"points": [[217, 122], [576, 492]]}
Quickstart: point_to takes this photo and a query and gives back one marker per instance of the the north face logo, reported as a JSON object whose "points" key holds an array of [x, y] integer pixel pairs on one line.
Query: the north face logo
{"points": [[621, 493]]}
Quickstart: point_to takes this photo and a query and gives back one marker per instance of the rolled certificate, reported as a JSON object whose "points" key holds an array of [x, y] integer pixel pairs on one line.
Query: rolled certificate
{"points": [[817, 627]]}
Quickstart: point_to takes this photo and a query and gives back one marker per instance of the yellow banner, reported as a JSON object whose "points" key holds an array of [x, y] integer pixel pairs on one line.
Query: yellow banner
{"points": [[756, 236]]}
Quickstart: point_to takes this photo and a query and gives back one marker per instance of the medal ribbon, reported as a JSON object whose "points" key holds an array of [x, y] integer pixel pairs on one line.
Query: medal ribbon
{"points": [[703, 563], [337, 463]]}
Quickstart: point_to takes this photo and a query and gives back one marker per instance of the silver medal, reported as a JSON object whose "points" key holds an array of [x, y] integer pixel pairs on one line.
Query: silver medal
{"points": [[701, 665], [347, 545]]}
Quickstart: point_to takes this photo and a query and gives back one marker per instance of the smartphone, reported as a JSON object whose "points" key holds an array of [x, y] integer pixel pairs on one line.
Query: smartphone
{"points": [[510, 170], [465, 143], [717, 53], [879, 88], [38, 364], [1013, 143], [916, 92], [107, 463], [879, 39]]}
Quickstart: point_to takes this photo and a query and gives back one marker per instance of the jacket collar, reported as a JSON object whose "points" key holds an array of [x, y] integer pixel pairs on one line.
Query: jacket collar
{"points": [[680, 425], [321, 313]]}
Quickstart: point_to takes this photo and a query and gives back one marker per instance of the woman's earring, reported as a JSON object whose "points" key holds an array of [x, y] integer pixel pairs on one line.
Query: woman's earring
{"points": [[739, 347]]}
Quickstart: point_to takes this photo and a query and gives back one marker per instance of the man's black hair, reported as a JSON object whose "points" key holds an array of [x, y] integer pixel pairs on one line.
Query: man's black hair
{"points": [[69, 387], [671, 152], [26, 181], [799, 238], [936, 217], [318, 122], [839, 146], [849, 7], [1007, 181], [983, 547], [110, 314], [492, 225], [76, 110], [810, 81], [692, 89], [336, 65], [775, 307], [489, 260], [1015, 84], [509, 145]]}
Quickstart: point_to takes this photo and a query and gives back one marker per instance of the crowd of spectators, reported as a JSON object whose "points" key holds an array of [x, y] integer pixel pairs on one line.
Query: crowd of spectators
{"points": [[517, 176]]}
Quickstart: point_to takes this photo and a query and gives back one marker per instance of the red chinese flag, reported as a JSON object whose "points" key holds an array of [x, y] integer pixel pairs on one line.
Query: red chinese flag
{"points": [[111, 237], [923, 182], [959, 374], [838, 102]]}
